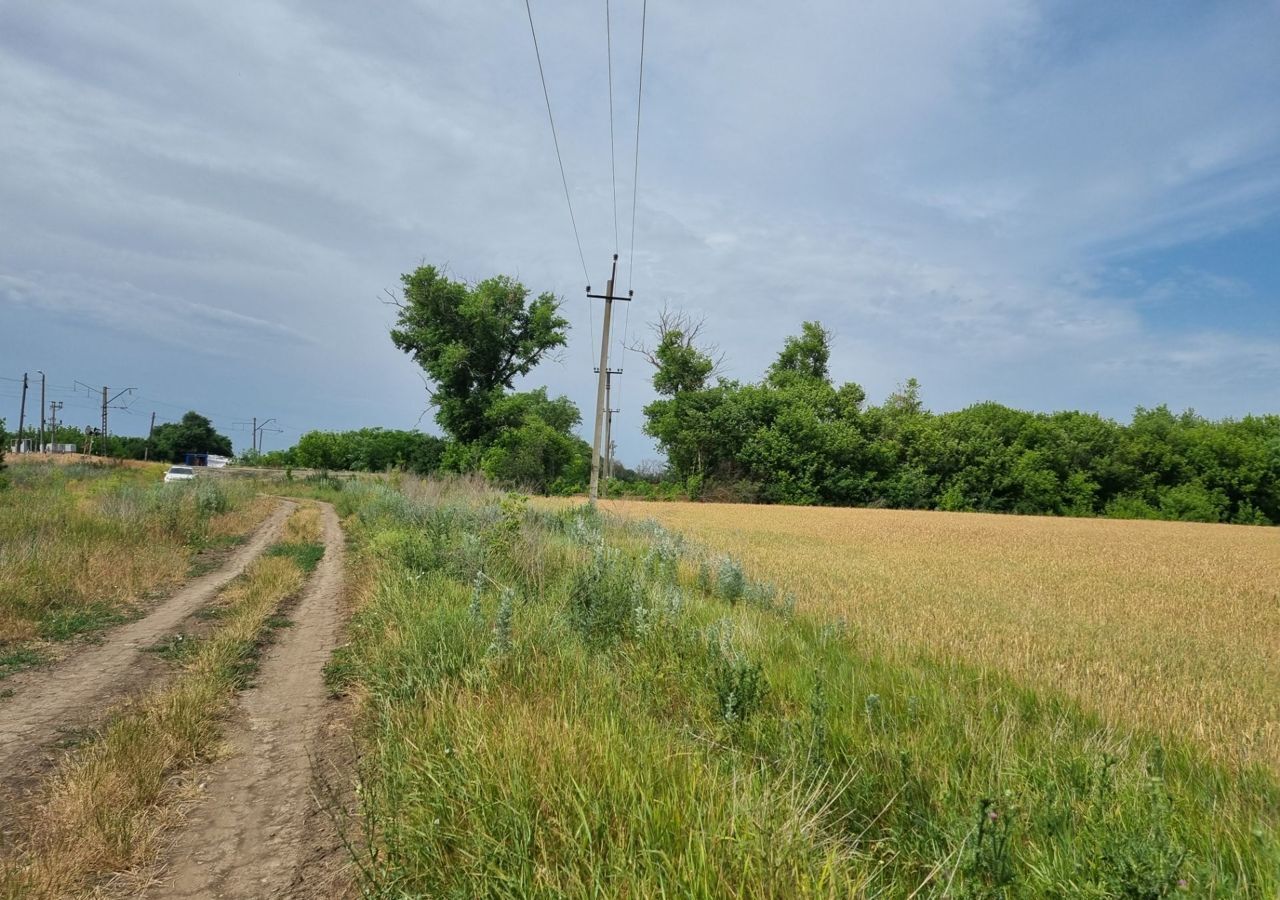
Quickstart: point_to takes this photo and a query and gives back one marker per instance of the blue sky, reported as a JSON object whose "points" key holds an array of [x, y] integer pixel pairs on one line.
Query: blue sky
{"points": [[1048, 204]]}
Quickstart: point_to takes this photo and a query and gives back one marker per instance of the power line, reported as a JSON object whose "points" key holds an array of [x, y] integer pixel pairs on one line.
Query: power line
{"points": [[635, 187], [613, 156], [556, 140], [635, 175]]}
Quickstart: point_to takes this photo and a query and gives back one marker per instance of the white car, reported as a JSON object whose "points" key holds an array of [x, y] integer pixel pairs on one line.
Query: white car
{"points": [[179, 473]]}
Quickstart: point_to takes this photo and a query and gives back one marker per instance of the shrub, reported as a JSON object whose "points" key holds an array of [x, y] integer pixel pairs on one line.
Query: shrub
{"points": [[731, 581], [739, 685], [603, 598]]}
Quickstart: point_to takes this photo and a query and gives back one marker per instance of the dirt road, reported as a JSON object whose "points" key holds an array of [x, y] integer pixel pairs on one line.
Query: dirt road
{"points": [[253, 833], [76, 693]]}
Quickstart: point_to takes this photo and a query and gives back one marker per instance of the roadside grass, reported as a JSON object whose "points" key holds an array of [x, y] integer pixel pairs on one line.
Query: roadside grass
{"points": [[562, 704], [1167, 625], [306, 555], [82, 546], [104, 810]]}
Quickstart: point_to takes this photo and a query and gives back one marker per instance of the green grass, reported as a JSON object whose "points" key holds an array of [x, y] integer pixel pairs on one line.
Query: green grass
{"points": [[305, 554], [176, 647], [602, 714], [12, 661], [60, 624], [82, 545]]}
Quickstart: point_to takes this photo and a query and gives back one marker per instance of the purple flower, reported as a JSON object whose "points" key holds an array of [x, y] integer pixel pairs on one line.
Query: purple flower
{"points": [[993, 815]]}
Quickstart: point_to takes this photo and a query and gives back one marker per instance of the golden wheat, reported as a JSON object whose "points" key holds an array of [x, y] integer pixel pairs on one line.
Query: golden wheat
{"points": [[1173, 626]]}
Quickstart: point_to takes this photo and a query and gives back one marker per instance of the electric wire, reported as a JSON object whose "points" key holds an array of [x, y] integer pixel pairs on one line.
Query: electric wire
{"points": [[556, 141], [635, 187], [635, 174], [613, 156]]}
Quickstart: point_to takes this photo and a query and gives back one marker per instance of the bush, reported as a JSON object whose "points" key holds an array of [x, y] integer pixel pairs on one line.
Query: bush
{"points": [[731, 581], [1130, 507], [211, 499], [1192, 503], [603, 598]]}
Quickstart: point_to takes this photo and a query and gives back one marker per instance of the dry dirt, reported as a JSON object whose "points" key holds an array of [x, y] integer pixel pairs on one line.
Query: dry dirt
{"points": [[260, 830], [48, 707]]}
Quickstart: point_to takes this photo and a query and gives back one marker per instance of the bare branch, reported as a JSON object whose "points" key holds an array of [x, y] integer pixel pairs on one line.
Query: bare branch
{"points": [[690, 329]]}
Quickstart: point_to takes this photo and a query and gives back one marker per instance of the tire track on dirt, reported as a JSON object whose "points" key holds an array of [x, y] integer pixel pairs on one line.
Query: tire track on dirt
{"points": [[250, 836], [78, 692]]}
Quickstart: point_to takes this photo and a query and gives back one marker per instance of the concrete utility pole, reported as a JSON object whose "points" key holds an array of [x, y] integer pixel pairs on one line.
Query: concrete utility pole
{"points": [[55, 407], [22, 412], [40, 442], [146, 453], [608, 427], [608, 445], [603, 382]]}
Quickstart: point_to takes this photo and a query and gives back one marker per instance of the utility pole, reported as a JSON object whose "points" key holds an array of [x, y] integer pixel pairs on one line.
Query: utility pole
{"points": [[54, 407], [22, 413], [40, 442], [146, 453], [254, 440], [106, 404], [602, 383], [608, 444], [262, 432], [608, 427]]}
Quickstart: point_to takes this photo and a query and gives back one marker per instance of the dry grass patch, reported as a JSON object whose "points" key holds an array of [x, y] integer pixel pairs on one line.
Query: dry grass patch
{"points": [[82, 545], [106, 806], [1173, 626], [304, 526]]}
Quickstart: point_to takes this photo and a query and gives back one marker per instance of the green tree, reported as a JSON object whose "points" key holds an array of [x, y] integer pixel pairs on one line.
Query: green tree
{"points": [[806, 355], [472, 341], [193, 434], [680, 364], [794, 438], [535, 447]]}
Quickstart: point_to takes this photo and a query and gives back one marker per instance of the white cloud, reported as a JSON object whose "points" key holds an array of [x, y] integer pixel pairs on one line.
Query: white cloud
{"points": [[950, 186]]}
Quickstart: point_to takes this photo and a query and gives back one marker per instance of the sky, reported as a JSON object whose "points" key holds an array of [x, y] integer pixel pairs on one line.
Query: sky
{"points": [[1047, 204]]}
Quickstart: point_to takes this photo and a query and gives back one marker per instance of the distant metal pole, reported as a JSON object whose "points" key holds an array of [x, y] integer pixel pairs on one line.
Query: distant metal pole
{"points": [[146, 454], [40, 442], [22, 413]]}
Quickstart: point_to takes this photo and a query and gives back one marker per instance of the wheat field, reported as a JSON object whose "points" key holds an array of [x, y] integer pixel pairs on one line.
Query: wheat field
{"points": [[1171, 626]]}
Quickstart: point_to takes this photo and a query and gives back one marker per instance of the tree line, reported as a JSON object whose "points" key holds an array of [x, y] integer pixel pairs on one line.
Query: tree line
{"points": [[797, 437], [794, 436], [169, 442]]}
